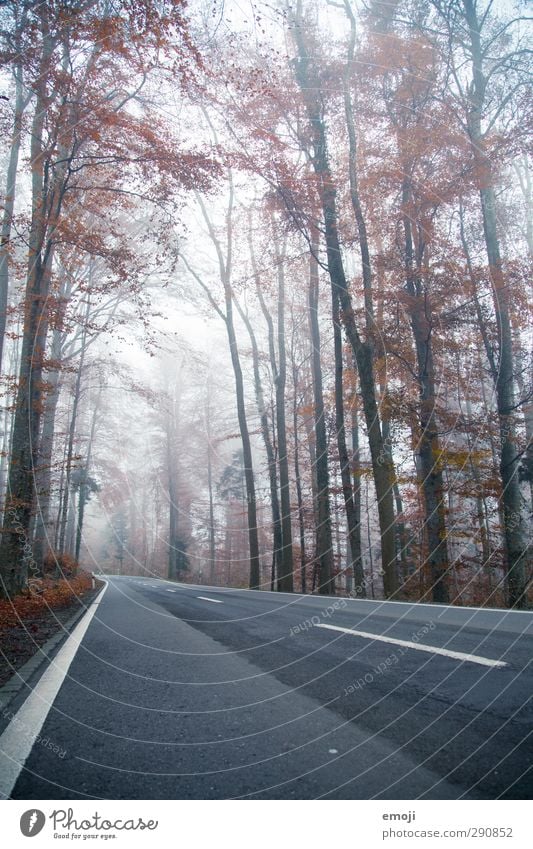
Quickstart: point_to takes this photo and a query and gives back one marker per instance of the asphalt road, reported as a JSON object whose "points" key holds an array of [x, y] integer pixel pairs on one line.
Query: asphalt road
{"points": [[188, 692]]}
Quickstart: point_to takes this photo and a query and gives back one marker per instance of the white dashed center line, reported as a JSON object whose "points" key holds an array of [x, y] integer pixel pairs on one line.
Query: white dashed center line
{"points": [[456, 655], [204, 598]]}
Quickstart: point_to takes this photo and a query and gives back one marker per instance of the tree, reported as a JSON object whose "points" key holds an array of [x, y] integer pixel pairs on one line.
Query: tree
{"points": [[14, 49], [381, 462], [324, 549], [471, 31], [79, 126], [285, 573], [225, 271]]}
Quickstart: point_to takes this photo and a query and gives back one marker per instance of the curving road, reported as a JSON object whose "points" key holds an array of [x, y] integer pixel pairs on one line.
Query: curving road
{"points": [[187, 692]]}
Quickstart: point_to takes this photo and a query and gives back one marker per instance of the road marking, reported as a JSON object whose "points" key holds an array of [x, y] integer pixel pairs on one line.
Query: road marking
{"points": [[16, 744], [456, 655], [171, 591], [298, 597], [204, 598]]}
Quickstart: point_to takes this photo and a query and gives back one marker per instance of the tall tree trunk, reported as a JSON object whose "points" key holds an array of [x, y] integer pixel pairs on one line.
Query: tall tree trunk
{"points": [[84, 481], [355, 198], [309, 427], [402, 541], [402, 538], [11, 179], [524, 367], [176, 551], [72, 432], [277, 536], [7, 425], [212, 548], [173, 516], [366, 267], [70, 535], [515, 534], [48, 186], [299, 499], [382, 467], [44, 471], [225, 270], [285, 576], [15, 547], [354, 530], [278, 566], [431, 478], [253, 539], [324, 550], [484, 532], [355, 466], [62, 490]]}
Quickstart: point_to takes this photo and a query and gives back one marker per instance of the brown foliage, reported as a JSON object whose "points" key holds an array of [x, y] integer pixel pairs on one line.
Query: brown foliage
{"points": [[45, 594], [60, 564]]}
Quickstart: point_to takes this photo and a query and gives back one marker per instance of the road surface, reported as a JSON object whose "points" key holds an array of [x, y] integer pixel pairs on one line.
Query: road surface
{"points": [[191, 692]]}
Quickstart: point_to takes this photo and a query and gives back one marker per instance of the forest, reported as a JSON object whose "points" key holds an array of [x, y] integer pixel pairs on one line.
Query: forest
{"points": [[265, 295]]}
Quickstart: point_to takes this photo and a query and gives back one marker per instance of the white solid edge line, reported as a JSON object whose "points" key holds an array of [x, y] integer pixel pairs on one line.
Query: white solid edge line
{"points": [[457, 655], [19, 737], [214, 600]]}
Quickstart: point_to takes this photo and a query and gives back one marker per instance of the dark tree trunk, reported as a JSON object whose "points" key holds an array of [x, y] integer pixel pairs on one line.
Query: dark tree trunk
{"points": [[278, 567], [85, 489], [355, 198], [9, 202], [47, 199], [285, 576], [301, 523], [428, 444], [225, 269], [515, 534], [41, 542], [253, 539], [354, 530], [15, 547], [382, 466], [277, 537], [324, 551], [212, 550], [72, 432], [356, 494]]}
